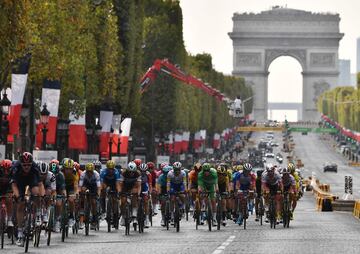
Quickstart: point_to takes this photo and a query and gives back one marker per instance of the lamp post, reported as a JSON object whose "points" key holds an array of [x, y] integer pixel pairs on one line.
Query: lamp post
{"points": [[5, 104], [111, 142], [44, 119]]}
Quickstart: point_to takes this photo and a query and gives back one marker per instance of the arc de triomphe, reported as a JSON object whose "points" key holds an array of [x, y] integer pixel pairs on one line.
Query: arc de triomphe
{"points": [[311, 38]]}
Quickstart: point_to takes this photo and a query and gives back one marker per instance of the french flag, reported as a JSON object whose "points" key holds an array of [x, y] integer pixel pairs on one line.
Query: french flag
{"points": [[178, 143], [216, 141], [51, 97], [125, 134], [197, 140], [18, 85], [185, 141], [106, 118], [169, 144], [77, 133]]}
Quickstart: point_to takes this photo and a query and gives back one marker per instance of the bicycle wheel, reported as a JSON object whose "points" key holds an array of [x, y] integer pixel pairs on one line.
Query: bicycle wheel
{"points": [[109, 213], [127, 218], [209, 214], [50, 224], [2, 226], [141, 216], [167, 214], [27, 231], [261, 210], [150, 212], [37, 234], [87, 216], [177, 216], [218, 213]]}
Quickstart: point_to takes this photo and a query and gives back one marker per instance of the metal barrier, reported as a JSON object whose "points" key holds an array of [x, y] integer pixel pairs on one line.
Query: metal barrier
{"points": [[324, 198], [356, 211]]}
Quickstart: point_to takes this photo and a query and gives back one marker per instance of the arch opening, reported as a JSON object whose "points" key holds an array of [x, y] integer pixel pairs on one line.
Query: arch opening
{"points": [[285, 89]]}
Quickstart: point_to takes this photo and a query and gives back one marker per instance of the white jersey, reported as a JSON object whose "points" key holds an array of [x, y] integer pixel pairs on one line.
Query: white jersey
{"points": [[88, 180], [50, 181]]}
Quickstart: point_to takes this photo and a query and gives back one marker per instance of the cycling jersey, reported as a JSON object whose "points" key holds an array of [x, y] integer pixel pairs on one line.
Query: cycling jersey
{"points": [[145, 180], [193, 179], [297, 180], [90, 181], [176, 182], [288, 182], [110, 177], [247, 181], [129, 178], [223, 181], [22, 178], [71, 178], [162, 182], [267, 179], [208, 182], [60, 183], [49, 181], [5, 186]]}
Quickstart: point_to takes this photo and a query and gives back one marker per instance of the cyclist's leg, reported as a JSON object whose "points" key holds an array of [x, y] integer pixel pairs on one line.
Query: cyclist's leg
{"points": [[103, 197]]}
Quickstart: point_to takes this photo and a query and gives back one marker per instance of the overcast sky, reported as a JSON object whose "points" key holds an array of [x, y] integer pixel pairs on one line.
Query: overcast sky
{"points": [[206, 24]]}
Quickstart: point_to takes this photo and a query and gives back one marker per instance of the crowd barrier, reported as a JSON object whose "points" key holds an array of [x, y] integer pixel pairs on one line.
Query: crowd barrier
{"points": [[324, 198]]}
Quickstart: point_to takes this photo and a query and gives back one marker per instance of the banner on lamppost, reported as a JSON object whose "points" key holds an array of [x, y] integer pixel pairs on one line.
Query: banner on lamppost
{"points": [[162, 159], [2, 152], [120, 160], [86, 158], [45, 155]]}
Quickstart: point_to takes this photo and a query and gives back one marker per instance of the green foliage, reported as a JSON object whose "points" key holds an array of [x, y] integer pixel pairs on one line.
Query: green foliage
{"points": [[342, 104]]}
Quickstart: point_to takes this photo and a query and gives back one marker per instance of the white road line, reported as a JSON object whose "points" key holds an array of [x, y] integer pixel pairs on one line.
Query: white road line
{"points": [[222, 247]]}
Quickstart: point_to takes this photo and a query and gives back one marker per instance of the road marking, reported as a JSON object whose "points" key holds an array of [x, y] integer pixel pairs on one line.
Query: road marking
{"points": [[222, 247]]}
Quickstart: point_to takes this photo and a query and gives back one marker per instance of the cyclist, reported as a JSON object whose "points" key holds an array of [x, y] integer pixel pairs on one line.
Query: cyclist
{"points": [[130, 183], [154, 176], [294, 198], [5, 188], [289, 185], [110, 179], [208, 182], [97, 165], [25, 173], [193, 181], [71, 182], [223, 183], [138, 163], [272, 184], [258, 192], [60, 190], [47, 187], [90, 182], [161, 186], [146, 188], [176, 182], [245, 182]]}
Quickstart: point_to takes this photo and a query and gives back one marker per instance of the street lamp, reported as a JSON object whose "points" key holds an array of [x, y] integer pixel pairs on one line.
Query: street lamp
{"points": [[111, 142], [4, 123], [44, 119]]}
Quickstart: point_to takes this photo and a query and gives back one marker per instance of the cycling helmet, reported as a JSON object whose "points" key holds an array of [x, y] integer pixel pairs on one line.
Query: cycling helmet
{"points": [[259, 173], [162, 165], [110, 164], [143, 167], [223, 164], [291, 167], [247, 167], [55, 161], [270, 167], [26, 158], [43, 167], [132, 166], [63, 161], [97, 165], [177, 165], [68, 163], [167, 169], [90, 167], [6, 164], [54, 168], [206, 167], [138, 162], [151, 165]]}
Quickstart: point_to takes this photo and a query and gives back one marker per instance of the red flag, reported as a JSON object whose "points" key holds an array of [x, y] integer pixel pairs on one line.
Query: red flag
{"points": [[216, 141], [185, 141], [178, 143]]}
